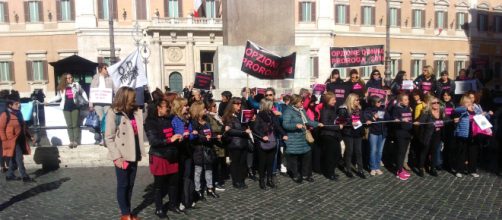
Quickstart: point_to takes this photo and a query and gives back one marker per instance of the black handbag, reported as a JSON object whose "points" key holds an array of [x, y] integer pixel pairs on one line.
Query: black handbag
{"points": [[209, 155]]}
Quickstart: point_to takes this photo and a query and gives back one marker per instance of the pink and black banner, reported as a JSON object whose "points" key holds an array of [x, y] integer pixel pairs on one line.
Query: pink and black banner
{"points": [[357, 56], [263, 64]]}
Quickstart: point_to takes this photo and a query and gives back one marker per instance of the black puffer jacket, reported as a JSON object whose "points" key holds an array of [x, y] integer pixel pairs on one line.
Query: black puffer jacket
{"points": [[267, 122], [328, 118], [236, 136], [376, 128], [159, 132], [402, 128], [199, 142], [426, 130]]}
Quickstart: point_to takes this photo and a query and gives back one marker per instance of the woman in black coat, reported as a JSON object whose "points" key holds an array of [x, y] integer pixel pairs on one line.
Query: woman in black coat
{"points": [[330, 137], [430, 134], [270, 132], [237, 137]]}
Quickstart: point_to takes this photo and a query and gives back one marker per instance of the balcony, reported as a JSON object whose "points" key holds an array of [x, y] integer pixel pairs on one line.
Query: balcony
{"points": [[189, 23]]}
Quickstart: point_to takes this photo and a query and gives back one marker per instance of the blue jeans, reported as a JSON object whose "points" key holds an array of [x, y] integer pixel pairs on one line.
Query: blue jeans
{"points": [[17, 159], [438, 155], [125, 184], [376, 148]]}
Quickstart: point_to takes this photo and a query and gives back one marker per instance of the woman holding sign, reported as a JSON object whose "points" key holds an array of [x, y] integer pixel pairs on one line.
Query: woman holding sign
{"points": [[350, 114]]}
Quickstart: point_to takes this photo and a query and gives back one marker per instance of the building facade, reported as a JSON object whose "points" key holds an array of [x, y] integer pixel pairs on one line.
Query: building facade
{"points": [[446, 34]]}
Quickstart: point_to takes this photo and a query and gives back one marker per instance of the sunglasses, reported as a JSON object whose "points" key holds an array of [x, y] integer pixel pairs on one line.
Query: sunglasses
{"points": [[434, 102], [269, 94]]}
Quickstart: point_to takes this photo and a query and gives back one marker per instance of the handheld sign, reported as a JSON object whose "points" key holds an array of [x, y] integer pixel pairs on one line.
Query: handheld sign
{"points": [[246, 115], [202, 81], [264, 64], [407, 85], [376, 92], [101, 95]]}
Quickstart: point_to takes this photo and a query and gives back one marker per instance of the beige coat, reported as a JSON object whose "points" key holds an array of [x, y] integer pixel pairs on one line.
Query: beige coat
{"points": [[120, 140]]}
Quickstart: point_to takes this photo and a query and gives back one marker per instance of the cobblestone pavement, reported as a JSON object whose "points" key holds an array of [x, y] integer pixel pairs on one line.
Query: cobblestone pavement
{"points": [[89, 193]]}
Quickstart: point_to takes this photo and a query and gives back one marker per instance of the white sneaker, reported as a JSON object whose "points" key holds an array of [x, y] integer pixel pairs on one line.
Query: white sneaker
{"points": [[284, 169], [373, 173], [379, 172], [459, 175], [475, 175]]}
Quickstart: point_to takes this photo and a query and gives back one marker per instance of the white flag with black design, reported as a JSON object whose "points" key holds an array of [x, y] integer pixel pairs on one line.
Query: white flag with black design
{"points": [[129, 71]]}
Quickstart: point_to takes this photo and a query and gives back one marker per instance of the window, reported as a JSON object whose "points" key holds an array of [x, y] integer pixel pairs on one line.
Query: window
{"points": [[65, 10], [4, 12], [441, 20], [482, 22], [342, 14], [416, 68], [172, 8], [6, 71], [365, 72], [37, 70], [314, 67], [307, 12], [461, 20], [440, 66], [343, 73], [418, 18], [395, 66], [459, 64], [210, 9], [497, 24], [33, 11], [368, 17], [140, 9], [106, 60], [104, 9], [395, 17]]}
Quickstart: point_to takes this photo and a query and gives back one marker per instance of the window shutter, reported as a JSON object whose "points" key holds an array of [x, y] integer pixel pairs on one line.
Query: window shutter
{"points": [[101, 60], [412, 68], [413, 17], [465, 24], [100, 9], [6, 11], [479, 22], [29, 70], [436, 22], [399, 17], [424, 62], [217, 5], [446, 65], [58, 10], [72, 6], [457, 18], [435, 66], [347, 14], [300, 10], [115, 10], [26, 12], [423, 18], [40, 11], [166, 8], [373, 15], [399, 65], [316, 67], [46, 70], [445, 20], [467, 65], [180, 8], [336, 15], [12, 76], [313, 14]]}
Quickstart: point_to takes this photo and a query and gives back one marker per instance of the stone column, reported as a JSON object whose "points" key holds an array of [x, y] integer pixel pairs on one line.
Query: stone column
{"points": [[190, 65], [155, 67], [85, 14]]}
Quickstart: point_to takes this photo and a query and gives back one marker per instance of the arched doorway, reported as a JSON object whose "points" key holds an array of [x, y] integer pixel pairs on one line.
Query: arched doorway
{"points": [[176, 82]]}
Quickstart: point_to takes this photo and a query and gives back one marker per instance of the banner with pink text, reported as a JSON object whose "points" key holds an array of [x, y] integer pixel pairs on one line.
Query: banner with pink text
{"points": [[357, 56], [263, 64]]}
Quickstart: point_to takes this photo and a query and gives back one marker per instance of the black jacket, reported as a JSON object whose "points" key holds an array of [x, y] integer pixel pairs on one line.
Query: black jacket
{"points": [[372, 83], [426, 85], [356, 87], [376, 128], [200, 142], [348, 130], [400, 112], [340, 89], [328, 118], [236, 137], [426, 130], [159, 132], [265, 123], [449, 86]]}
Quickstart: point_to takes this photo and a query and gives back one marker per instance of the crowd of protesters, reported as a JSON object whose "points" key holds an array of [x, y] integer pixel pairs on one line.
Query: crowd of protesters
{"points": [[424, 128]]}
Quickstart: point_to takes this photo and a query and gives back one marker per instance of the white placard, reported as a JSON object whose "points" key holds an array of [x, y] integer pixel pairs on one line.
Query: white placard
{"points": [[101, 95], [407, 85], [357, 124], [482, 122], [54, 117], [461, 87]]}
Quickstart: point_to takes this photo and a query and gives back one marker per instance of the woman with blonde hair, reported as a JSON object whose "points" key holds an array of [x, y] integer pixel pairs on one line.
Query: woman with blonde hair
{"points": [[430, 134], [427, 81], [72, 97], [350, 115], [124, 139]]}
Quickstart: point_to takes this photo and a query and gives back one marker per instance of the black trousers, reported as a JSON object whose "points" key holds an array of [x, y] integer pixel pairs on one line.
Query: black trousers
{"points": [[330, 154], [300, 164], [165, 184], [402, 143], [266, 162], [353, 147], [467, 150], [238, 166], [430, 149], [220, 170]]}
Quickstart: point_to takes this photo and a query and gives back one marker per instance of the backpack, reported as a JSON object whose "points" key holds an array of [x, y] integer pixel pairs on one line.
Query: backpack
{"points": [[118, 117]]}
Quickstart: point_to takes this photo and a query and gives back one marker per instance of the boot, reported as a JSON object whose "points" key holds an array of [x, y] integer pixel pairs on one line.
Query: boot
{"points": [[270, 182], [434, 172], [262, 183], [160, 213], [252, 174], [421, 172], [212, 193], [200, 195], [172, 206]]}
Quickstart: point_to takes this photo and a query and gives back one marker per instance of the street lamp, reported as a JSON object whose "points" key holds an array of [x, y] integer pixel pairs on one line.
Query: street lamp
{"points": [[388, 79]]}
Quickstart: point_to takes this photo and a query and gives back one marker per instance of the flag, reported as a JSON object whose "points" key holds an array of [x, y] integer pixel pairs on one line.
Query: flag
{"points": [[129, 72], [196, 6]]}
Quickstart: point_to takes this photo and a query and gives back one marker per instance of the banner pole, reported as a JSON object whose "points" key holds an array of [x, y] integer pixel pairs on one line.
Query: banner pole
{"points": [[247, 80]]}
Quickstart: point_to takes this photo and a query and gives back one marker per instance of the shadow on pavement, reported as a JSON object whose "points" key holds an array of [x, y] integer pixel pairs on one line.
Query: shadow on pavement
{"points": [[46, 187], [147, 199]]}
